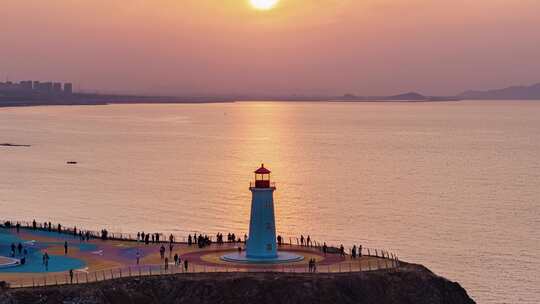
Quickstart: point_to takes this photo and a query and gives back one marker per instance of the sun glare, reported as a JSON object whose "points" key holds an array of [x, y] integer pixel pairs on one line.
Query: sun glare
{"points": [[263, 4]]}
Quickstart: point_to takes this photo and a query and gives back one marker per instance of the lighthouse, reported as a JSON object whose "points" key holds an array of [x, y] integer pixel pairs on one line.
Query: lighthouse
{"points": [[261, 246], [261, 243]]}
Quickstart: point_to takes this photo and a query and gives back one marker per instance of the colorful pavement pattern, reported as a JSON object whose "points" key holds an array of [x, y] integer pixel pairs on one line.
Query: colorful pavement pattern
{"points": [[95, 255]]}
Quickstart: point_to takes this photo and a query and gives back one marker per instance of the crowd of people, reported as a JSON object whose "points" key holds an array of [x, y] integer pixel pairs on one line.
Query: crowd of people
{"points": [[20, 252], [200, 240]]}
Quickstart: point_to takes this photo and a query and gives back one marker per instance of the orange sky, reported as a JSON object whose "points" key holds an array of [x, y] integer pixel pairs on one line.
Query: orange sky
{"points": [[302, 46]]}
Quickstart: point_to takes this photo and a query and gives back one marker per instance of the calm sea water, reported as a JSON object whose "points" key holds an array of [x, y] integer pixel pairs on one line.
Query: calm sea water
{"points": [[454, 186]]}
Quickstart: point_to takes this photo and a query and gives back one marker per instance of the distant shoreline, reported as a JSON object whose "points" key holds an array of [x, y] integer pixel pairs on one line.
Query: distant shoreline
{"points": [[211, 100], [6, 103]]}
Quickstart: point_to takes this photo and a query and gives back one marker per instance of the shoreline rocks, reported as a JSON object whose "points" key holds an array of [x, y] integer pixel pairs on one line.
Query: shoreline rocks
{"points": [[411, 284]]}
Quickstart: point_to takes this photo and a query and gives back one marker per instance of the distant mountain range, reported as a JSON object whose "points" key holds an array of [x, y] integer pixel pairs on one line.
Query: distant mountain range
{"points": [[514, 92]]}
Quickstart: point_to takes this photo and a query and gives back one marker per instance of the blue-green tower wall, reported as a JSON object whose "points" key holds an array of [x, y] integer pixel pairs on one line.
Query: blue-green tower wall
{"points": [[261, 243]]}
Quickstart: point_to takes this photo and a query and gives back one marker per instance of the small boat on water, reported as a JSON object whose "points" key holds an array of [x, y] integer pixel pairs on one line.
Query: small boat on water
{"points": [[71, 162]]}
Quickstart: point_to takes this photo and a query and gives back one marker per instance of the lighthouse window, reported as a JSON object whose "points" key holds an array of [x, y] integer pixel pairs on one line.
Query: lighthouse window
{"points": [[269, 247]]}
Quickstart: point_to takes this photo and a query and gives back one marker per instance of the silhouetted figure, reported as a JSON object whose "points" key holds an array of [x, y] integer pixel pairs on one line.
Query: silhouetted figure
{"points": [[189, 240], [308, 241], [359, 250], [186, 265], [342, 250], [137, 256], [20, 248], [13, 247], [279, 240], [65, 247], [175, 259], [18, 227], [34, 224], [324, 248], [302, 240], [71, 275], [166, 264], [353, 252], [162, 251], [46, 261], [59, 228]]}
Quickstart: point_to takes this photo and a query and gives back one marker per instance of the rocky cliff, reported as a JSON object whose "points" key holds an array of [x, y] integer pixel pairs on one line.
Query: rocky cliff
{"points": [[412, 284]]}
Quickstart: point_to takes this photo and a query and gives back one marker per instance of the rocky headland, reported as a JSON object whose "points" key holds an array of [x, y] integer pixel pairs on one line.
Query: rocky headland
{"points": [[410, 284]]}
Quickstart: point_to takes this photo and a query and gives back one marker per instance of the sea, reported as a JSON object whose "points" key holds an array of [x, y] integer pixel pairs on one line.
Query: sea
{"points": [[454, 186]]}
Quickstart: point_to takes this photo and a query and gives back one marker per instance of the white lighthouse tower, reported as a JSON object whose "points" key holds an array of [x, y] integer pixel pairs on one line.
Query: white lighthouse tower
{"points": [[261, 247], [262, 225]]}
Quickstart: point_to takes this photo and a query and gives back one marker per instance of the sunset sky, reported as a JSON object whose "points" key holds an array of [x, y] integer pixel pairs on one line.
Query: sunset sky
{"points": [[365, 47]]}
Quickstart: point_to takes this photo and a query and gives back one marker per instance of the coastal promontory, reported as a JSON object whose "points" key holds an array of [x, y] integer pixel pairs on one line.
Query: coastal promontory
{"points": [[409, 284]]}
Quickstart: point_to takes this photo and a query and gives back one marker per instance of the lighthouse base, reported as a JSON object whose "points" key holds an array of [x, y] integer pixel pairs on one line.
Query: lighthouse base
{"points": [[282, 258]]}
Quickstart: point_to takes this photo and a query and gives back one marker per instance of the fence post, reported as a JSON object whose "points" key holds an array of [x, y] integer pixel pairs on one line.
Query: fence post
{"points": [[77, 278], [86, 274]]}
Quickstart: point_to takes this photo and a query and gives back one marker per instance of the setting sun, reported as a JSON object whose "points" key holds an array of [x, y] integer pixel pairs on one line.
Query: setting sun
{"points": [[263, 4]]}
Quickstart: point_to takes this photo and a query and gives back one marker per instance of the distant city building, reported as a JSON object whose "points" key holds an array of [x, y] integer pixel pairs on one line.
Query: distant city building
{"points": [[26, 85], [47, 86], [57, 87], [68, 88], [29, 87]]}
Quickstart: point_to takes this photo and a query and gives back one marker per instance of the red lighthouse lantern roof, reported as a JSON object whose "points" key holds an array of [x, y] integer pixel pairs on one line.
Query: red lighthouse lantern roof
{"points": [[262, 170]]}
